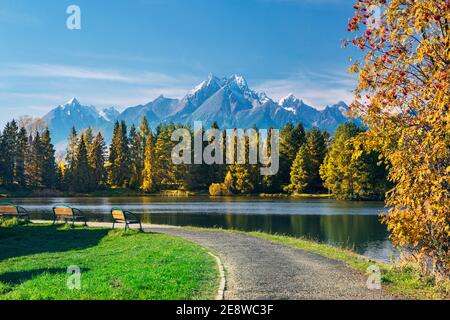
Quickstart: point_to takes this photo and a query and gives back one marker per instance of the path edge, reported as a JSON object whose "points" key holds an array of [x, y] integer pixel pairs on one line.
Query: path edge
{"points": [[221, 291]]}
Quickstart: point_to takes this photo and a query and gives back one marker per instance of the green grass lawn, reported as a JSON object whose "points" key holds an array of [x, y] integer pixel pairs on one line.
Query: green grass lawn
{"points": [[114, 265]]}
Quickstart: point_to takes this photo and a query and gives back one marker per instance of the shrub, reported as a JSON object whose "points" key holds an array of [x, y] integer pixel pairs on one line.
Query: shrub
{"points": [[219, 189]]}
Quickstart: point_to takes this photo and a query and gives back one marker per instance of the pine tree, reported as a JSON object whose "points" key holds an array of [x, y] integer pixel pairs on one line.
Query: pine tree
{"points": [[148, 172], [33, 168], [112, 155], [9, 148], [70, 157], [164, 169], [317, 150], [135, 158], [81, 181], [291, 139], [229, 182], [96, 159], [88, 137], [300, 172], [60, 172], [349, 177], [269, 182], [1, 159], [138, 146], [21, 156], [119, 170], [241, 172], [48, 160]]}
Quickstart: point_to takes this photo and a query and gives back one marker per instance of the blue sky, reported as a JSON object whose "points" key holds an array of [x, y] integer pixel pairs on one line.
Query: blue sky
{"points": [[130, 52]]}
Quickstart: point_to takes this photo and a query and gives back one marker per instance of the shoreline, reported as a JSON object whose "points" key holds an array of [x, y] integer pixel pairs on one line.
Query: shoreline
{"points": [[126, 193]]}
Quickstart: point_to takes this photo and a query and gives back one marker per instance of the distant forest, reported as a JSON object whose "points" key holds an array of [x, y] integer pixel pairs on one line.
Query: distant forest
{"points": [[139, 159]]}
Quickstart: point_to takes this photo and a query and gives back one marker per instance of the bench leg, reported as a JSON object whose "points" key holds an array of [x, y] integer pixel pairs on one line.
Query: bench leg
{"points": [[114, 224]]}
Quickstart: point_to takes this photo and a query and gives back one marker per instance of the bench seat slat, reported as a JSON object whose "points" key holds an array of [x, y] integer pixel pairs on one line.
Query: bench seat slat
{"points": [[8, 210]]}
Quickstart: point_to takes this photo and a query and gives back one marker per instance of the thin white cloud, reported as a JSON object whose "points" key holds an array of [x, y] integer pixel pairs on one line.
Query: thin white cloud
{"points": [[84, 73], [317, 89], [64, 71]]}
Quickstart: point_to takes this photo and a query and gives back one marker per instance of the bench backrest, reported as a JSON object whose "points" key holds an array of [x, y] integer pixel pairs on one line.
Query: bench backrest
{"points": [[63, 211], [118, 214], [8, 209]]}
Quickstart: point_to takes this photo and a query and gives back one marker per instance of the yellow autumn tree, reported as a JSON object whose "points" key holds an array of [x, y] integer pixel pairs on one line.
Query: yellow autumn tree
{"points": [[403, 97], [148, 172]]}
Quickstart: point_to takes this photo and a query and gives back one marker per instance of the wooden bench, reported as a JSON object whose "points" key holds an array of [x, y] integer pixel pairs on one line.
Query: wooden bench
{"points": [[9, 210], [124, 216], [66, 214]]}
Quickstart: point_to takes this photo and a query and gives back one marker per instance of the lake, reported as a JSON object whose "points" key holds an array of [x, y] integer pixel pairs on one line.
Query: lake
{"points": [[350, 224]]}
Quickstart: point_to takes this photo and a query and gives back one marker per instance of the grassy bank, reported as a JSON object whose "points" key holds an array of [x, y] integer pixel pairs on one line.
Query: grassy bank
{"points": [[403, 280], [114, 265], [125, 192]]}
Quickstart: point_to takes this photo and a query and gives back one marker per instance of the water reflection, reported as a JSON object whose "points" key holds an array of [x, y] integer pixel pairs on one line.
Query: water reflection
{"points": [[351, 224]]}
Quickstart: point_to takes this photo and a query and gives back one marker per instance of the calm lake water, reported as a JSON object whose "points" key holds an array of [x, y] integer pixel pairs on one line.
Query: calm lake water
{"points": [[351, 224]]}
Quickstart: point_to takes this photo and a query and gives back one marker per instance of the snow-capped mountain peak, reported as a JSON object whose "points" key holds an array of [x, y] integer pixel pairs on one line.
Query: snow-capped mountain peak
{"points": [[290, 99], [212, 82], [263, 98], [109, 114], [239, 81], [72, 103]]}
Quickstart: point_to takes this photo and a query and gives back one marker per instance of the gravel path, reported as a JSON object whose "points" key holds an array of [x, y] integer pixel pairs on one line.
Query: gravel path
{"points": [[259, 269]]}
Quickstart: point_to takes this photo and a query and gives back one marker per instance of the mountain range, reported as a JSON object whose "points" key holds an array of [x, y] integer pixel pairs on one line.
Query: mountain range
{"points": [[228, 101]]}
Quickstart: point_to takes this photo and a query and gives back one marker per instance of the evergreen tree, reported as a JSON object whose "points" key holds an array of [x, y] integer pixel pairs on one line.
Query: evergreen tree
{"points": [[350, 177], [21, 156], [291, 139], [8, 149], [148, 172], [70, 156], [96, 159], [81, 180], [242, 178], [33, 168], [60, 172], [216, 172], [241, 172], [88, 137], [48, 160], [300, 172], [317, 150], [269, 182], [119, 170], [137, 151], [135, 159], [1, 159], [164, 169], [229, 182]]}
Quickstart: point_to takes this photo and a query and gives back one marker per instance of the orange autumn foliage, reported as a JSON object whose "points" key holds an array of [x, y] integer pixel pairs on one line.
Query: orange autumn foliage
{"points": [[403, 95]]}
